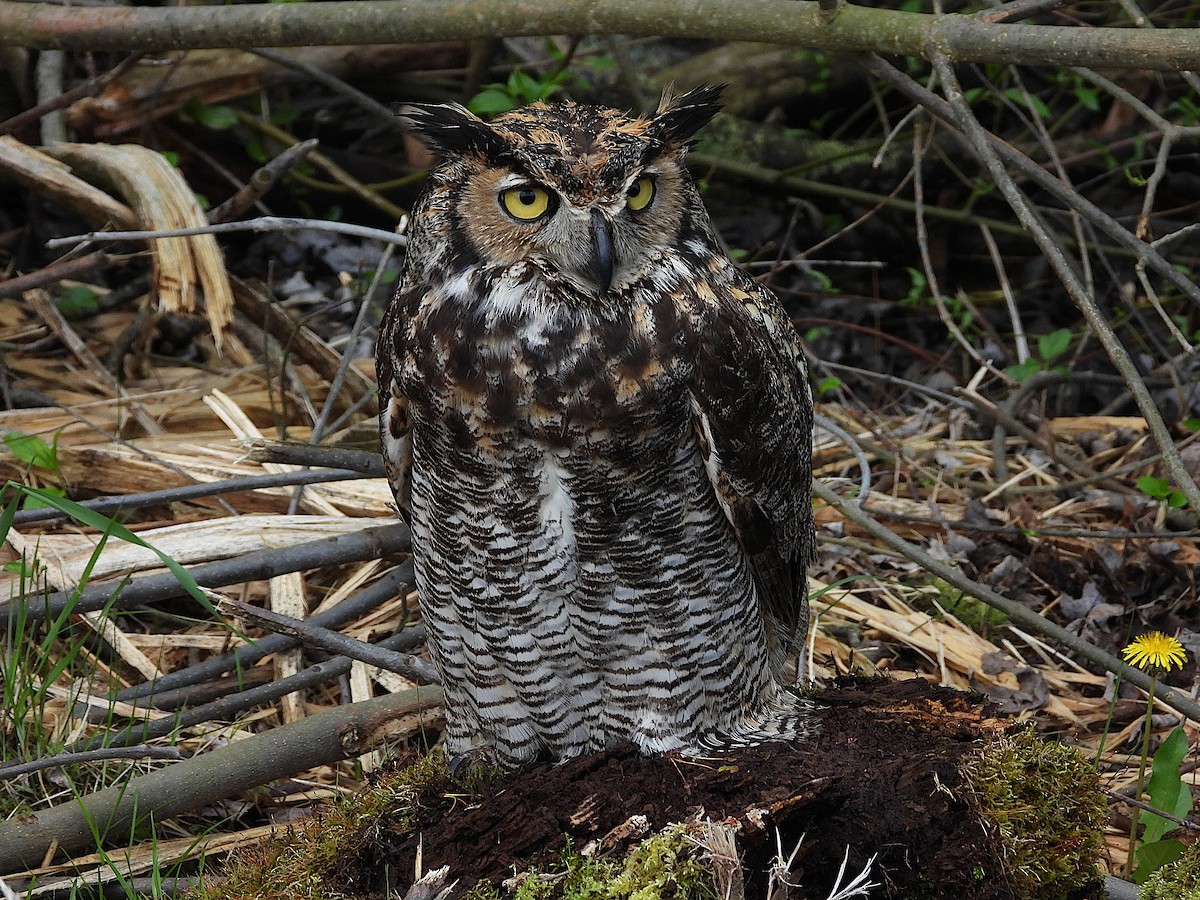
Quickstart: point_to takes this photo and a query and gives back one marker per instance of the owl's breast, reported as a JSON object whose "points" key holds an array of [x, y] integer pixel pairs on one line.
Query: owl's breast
{"points": [[548, 367]]}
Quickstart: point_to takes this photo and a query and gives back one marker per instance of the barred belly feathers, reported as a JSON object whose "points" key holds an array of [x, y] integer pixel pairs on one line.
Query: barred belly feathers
{"points": [[599, 430]]}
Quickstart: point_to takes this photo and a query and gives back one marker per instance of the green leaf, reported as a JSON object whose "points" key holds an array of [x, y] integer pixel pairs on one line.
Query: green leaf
{"points": [[35, 503], [1190, 424], [1024, 371], [491, 101], [1052, 344], [823, 280], [1089, 97], [1166, 789], [1152, 857], [829, 384], [32, 450], [106, 525], [218, 118], [255, 150], [78, 302], [284, 116], [1158, 488]]}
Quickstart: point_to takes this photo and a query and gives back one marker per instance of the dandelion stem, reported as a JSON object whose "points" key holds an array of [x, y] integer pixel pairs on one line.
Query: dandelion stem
{"points": [[1135, 817]]}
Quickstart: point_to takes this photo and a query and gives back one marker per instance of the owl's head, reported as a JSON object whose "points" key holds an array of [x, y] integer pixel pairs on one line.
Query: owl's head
{"points": [[590, 194]]}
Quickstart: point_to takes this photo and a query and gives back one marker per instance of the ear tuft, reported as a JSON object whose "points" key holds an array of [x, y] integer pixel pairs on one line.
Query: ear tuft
{"points": [[450, 129], [679, 118]]}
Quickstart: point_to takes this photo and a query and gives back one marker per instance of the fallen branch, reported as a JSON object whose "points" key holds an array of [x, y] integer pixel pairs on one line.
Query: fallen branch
{"points": [[108, 505], [115, 812], [838, 28], [226, 708]]}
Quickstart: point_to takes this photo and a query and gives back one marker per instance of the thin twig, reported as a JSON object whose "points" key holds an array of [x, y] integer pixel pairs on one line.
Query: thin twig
{"points": [[137, 751], [262, 223], [187, 492], [388, 586], [401, 663]]}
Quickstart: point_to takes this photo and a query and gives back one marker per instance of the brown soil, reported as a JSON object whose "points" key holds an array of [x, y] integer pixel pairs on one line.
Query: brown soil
{"points": [[881, 777]]}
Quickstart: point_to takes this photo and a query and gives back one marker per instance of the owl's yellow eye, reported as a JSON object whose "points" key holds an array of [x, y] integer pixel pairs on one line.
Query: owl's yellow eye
{"points": [[640, 193], [526, 202]]}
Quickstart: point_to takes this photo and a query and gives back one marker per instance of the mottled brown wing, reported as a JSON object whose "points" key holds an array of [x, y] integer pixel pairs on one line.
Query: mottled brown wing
{"points": [[754, 416], [395, 423]]}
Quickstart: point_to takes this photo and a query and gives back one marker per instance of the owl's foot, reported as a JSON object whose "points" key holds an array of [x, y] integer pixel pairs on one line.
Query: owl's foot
{"points": [[471, 760]]}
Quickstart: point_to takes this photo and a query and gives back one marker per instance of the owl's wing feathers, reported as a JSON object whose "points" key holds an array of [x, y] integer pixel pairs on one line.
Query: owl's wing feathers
{"points": [[395, 423], [753, 417]]}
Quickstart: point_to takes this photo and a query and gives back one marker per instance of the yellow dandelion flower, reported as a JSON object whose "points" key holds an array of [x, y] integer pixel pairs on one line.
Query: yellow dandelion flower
{"points": [[1155, 651]]}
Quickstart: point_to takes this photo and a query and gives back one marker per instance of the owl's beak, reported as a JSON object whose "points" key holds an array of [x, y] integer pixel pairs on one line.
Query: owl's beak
{"points": [[600, 265]]}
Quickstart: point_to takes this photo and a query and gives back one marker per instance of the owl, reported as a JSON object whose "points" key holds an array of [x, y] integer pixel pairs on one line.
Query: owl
{"points": [[599, 430]]}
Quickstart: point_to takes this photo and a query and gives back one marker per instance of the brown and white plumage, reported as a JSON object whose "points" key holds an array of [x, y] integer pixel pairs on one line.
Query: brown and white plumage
{"points": [[600, 431]]}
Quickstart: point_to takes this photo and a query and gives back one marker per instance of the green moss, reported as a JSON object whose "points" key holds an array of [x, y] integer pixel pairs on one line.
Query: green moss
{"points": [[665, 866], [323, 859], [1043, 802], [942, 599], [1179, 880]]}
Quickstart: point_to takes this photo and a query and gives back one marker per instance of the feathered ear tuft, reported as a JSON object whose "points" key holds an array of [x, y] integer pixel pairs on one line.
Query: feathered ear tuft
{"points": [[449, 129], [678, 118]]}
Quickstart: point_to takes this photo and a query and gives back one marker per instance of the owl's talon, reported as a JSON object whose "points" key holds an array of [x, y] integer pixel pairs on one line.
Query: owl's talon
{"points": [[471, 759]]}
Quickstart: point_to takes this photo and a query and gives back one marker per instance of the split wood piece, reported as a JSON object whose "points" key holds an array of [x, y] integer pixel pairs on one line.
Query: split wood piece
{"points": [[244, 429], [156, 855], [204, 779], [68, 557], [52, 179], [163, 200], [286, 593], [356, 546]]}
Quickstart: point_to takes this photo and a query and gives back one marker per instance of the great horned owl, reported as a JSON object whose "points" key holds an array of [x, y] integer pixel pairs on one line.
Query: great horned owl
{"points": [[600, 432]]}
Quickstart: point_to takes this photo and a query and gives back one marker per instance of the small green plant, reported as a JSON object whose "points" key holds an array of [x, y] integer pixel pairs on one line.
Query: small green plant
{"points": [[1050, 347], [1087, 94], [1156, 653], [1179, 880], [1166, 791], [829, 385], [42, 460], [1162, 489], [519, 90], [79, 301]]}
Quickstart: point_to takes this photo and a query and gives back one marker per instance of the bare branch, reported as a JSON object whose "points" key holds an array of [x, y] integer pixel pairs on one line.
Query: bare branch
{"points": [[840, 29]]}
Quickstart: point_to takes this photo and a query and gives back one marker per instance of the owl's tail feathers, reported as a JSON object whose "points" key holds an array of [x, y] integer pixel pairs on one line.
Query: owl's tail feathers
{"points": [[783, 716]]}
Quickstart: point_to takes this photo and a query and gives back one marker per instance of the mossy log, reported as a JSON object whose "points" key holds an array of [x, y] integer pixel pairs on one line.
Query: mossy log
{"points": [[919, 783]]}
